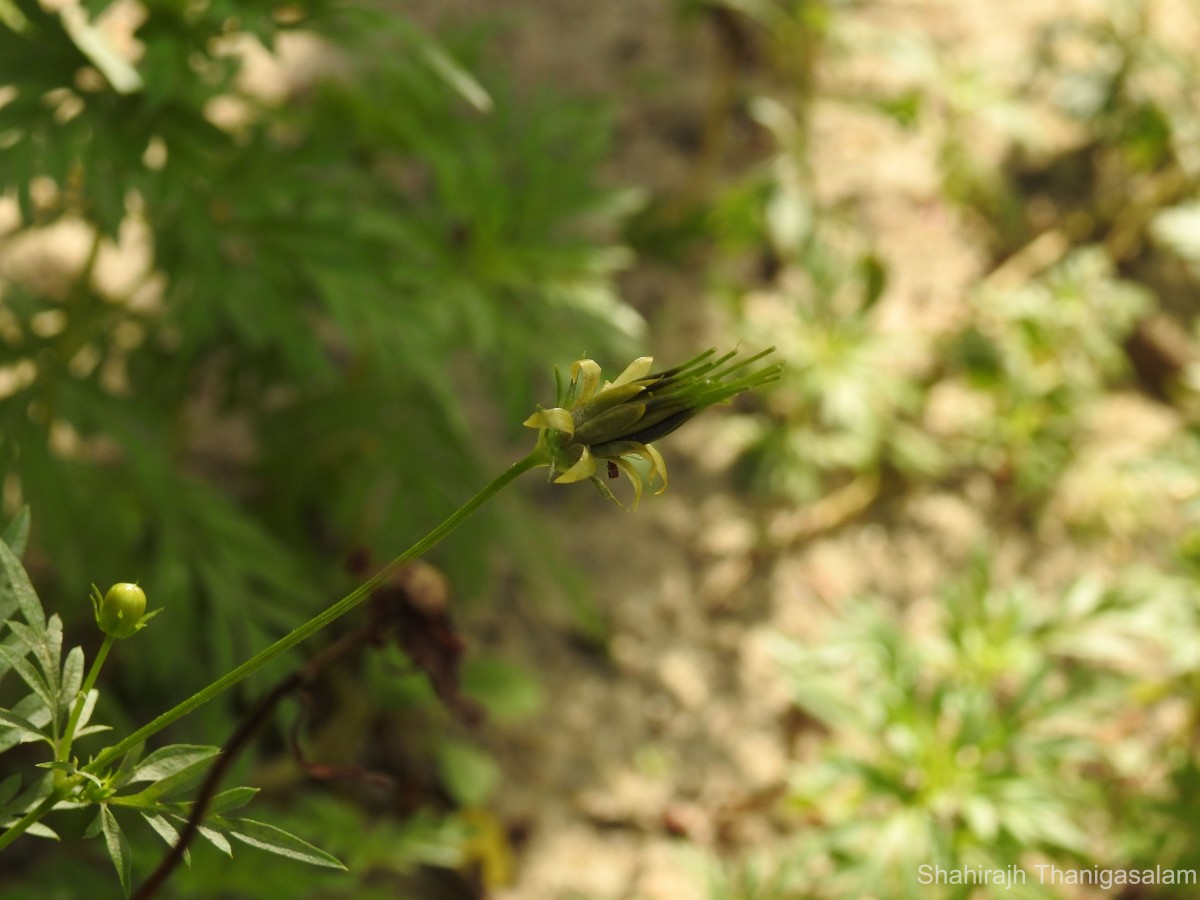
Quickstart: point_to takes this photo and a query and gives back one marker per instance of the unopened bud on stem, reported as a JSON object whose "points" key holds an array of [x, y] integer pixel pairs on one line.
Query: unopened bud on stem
{"points": [[122, 610], [622, 418]]}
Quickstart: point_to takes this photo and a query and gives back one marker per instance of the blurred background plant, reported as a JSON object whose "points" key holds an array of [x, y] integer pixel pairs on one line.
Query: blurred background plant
{"points": [[998, 724], [262, 266], [968, 739]]}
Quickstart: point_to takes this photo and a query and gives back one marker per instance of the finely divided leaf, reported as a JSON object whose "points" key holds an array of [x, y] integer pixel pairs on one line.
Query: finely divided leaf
{"points": [[186, 765], [34, 794], [19, 664], [25, 729], [91, 729], [118, 847], [228, 801], [31, 709], [37, 642], [85, 715], [167, 832], [16, 533], [276, 840], [71, 681], [16, 592], [128, 763], [168, 760], [40, 829], [46, 645], [15, 644], [12, 810], [215, 838]]}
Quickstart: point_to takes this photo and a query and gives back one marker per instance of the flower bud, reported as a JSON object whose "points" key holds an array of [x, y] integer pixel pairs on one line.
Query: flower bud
{"points": [[619, 419], [122, 611]]}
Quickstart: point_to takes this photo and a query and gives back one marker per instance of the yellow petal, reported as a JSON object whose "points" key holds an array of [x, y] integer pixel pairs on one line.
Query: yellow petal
{"points": [[635, 370], [585, 374], [635, 476], [558, 419], [585, 468], [657, 465]]}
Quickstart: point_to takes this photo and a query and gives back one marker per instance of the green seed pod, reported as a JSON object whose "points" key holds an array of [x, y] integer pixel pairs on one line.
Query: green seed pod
{"points": [[122, 610]]}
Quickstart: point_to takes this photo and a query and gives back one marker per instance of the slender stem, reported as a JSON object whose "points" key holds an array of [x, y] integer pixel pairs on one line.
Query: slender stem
{"points": [[64, 747], [319, 621], [238, 741], [20, 827]]}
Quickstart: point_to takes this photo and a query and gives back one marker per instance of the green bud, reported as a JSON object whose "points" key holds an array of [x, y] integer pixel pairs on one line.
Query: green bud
{"points": [[122, 611]]}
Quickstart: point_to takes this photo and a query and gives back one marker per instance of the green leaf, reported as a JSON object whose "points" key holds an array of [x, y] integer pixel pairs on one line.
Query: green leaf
{"points": [[92, 729], [276, 840], [26, 729], [94, 828], [46, 646], [36, 642], [506, 690], [228, 801], [169, 760], [8, 790], [186, 766], [85, 715], [93, 44], [35, 793], [458, 78], [16, 533], [15, 643], [32, 709], [40, 829], [167, 832], [214, 837], [118, 847], [16, 591], [72, 680], [470, 774], [19, 664], [128, 763]]}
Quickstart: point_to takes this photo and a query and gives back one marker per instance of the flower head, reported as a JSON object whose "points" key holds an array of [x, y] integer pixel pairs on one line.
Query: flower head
{"points": [[618, 419]]}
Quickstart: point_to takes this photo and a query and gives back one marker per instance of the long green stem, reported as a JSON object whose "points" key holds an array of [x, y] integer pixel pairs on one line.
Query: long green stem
{"points": [[317, 622], [64, 747]]}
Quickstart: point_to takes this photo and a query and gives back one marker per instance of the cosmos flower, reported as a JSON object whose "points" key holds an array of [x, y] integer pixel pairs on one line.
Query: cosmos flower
{"points": [[622, 418]]}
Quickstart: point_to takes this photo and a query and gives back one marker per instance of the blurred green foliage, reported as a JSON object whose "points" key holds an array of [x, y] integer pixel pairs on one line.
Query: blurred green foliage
{"points": [[318, 294], [999, 723], [264, 264]]}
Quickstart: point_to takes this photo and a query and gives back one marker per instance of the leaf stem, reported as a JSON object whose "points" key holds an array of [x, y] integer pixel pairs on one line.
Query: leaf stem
{"points": [[319, 621], [64, 747]]}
